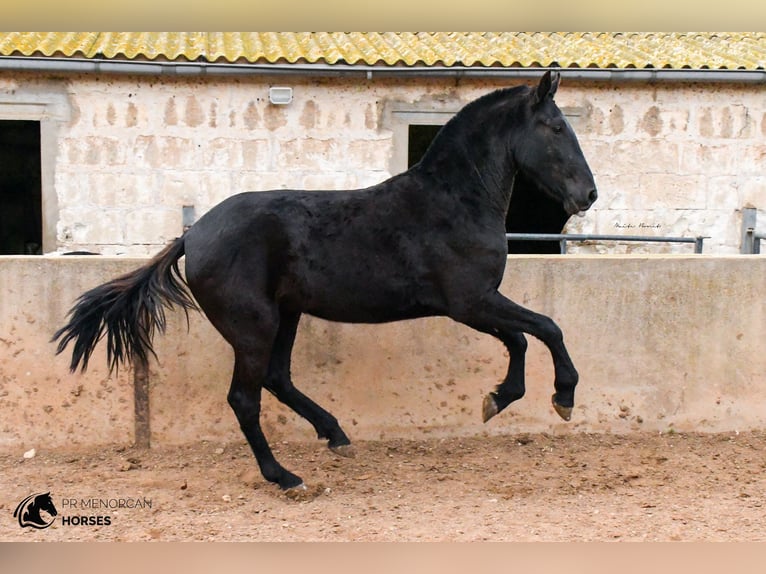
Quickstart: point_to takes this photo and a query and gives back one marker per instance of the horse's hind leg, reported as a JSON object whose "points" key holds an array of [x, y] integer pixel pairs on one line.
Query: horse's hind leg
{"points": [[278, 382], [512, 388], [250, 367]]}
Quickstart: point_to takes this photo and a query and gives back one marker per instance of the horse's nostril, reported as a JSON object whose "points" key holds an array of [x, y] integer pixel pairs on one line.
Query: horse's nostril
{"points": [[593, 195]]}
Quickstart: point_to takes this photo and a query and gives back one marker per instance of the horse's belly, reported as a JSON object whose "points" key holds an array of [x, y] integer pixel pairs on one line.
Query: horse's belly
{"points": [[374, 302], [349, 313]]}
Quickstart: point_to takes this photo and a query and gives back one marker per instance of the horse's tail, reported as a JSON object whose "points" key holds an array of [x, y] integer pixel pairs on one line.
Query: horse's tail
{"points": [[127, 309]]}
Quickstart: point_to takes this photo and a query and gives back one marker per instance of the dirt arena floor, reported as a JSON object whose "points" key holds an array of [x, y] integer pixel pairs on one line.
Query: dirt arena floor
{"points": [[531, 487]]}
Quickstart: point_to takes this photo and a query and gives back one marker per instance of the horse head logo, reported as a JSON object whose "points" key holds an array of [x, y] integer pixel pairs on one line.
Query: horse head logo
{"points": [[28, 511]]}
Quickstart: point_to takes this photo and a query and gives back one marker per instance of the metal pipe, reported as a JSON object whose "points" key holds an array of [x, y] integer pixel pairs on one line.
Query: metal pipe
{"points": [[563, 238], [756, 242], [195, 69]]}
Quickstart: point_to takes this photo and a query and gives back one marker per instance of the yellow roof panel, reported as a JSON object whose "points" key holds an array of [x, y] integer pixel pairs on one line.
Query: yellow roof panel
{"points": [[739, 50]]}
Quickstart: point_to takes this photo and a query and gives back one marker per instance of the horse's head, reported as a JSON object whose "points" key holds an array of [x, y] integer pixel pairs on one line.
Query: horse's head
{"points": [[44, 502], [548, 151]]}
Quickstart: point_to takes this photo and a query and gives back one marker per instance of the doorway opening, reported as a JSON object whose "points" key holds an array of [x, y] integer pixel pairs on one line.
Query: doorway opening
{"points": [[21, 225], [419, 137]]}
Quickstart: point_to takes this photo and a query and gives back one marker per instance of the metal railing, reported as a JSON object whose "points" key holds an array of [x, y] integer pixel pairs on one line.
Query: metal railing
{"points": [[564, 238], [751, 238]]}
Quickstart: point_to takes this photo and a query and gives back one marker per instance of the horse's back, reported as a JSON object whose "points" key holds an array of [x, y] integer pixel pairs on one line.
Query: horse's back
{"points": [[343, 255]]}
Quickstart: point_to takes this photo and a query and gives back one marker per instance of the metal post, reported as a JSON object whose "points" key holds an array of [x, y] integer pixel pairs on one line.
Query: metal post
{"points": [[749, 216], [698, 244], [142, 428], [188, 217]]}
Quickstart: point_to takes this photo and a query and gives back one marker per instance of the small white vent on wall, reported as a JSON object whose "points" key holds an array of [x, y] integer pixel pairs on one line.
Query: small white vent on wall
{"points": [[280, 96]]}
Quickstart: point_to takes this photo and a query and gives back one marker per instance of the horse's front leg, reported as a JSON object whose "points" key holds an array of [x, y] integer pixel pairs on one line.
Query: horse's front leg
{"points": [[497, 315]]}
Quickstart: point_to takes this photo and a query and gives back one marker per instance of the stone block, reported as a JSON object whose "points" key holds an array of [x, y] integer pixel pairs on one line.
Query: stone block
{"points": [[368, 155], [619, 192], [752, 191], [256, 154], [634, 156], [722, 194], [726, 121], [697, 157], [179, 188], [73, 187], [214, 187], [670, 191], [152, 225], [222, 154], [165, 152], [114, 189], [308, 155], [752, 160], [91, 226]]}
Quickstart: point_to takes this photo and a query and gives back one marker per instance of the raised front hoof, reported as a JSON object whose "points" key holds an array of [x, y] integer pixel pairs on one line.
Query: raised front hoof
{"points": [[489, 408], [345, 450], [564, 412]]}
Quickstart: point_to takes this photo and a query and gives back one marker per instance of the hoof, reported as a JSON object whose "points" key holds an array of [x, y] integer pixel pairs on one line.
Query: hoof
{"points": [[303, 494], [288, 481], [297, 488], [345, 450], [489, 408], [564, 412]]}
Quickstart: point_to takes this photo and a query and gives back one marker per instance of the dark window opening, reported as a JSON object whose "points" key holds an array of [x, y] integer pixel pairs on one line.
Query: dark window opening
{"points": [[420, 137], [20, 188]]}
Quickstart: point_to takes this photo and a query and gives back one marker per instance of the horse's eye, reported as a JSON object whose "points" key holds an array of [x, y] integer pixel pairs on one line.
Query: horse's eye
{"points": [[557, 128]]}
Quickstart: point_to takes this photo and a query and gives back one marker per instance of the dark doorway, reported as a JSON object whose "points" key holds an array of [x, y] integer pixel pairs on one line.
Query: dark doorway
{"points": [[420, 137], [20, 188]]}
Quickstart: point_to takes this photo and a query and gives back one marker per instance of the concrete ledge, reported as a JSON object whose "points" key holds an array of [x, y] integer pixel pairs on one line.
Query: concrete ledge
{"points": [[660, 342]]}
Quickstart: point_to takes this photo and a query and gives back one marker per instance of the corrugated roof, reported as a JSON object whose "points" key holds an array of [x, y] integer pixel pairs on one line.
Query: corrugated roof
{"points": [[732, 51]]}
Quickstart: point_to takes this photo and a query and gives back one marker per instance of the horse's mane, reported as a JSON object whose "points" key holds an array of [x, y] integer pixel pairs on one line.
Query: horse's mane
{"points": [[530, 209], [468, 116]]}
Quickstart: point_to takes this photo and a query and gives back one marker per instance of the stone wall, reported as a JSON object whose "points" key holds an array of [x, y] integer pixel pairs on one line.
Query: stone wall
{"points": [[674, 159], [669, 158]]}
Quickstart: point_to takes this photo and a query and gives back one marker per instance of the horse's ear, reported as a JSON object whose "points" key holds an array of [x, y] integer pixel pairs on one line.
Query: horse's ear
{"points": [[547, 87]]}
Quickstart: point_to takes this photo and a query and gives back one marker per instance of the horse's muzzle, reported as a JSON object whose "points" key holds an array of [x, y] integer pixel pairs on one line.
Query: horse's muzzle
{"points": [[575, 207]]}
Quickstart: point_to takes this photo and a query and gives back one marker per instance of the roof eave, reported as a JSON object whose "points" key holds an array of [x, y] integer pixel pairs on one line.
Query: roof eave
{"points": [[195, 69]]}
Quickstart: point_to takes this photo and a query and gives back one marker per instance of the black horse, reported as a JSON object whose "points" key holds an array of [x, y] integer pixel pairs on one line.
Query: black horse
{"points": [[430, 241]]}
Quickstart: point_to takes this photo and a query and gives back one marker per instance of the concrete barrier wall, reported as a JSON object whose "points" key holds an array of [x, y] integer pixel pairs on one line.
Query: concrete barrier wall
{"points": [[660, 342]]}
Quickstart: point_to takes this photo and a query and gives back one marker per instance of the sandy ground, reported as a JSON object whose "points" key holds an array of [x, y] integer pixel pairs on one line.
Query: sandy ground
{"points": [[532, 487]]}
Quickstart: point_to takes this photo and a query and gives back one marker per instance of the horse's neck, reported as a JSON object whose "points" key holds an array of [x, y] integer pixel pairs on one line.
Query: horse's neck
{"points": [[483, 179]]}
